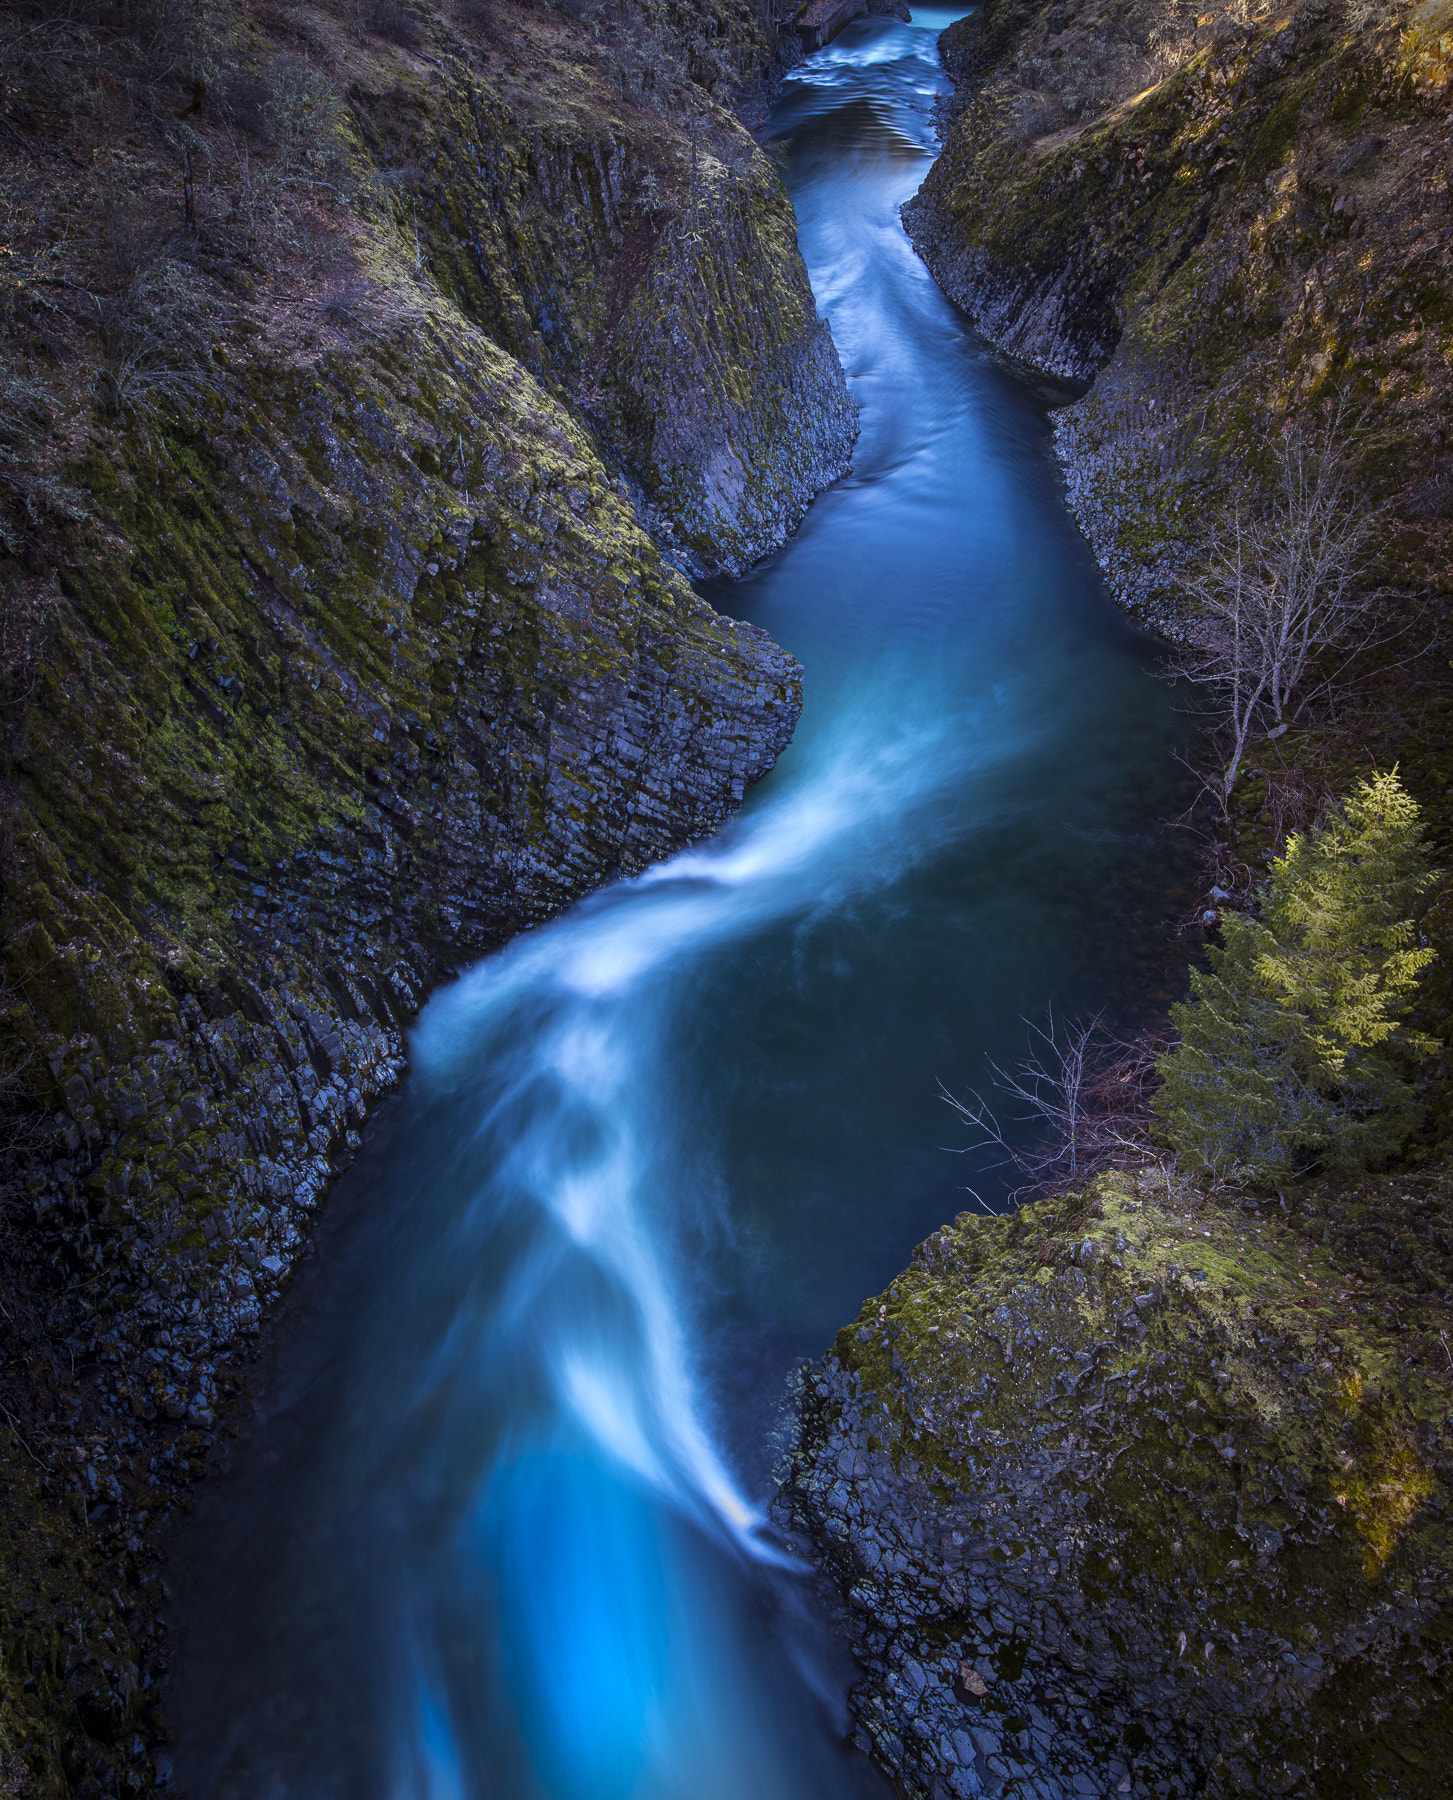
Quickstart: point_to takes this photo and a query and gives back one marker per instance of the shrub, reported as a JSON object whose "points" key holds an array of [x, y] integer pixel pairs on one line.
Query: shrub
{"points": [[304, 122], [154, 357], [1278, 595], [246, 102], [31, 497], [1293, 1050], [186, 42]]}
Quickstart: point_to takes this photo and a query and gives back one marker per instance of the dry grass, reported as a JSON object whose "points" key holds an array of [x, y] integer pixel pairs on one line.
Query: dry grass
{"points": [[185, 192], [177, 200]]}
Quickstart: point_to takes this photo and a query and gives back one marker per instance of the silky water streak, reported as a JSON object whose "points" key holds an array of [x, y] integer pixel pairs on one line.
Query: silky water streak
{"points": [[499, 1528]]}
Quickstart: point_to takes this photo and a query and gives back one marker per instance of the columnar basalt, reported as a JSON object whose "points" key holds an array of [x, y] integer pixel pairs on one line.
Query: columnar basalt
{"points": [[343, 522], [1230, 223], [650, 275], [382, 718], [1133, 1492]]}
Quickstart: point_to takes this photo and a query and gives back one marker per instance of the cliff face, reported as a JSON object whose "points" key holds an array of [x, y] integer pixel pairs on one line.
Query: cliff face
{"points": [[1134, 1492], [383, 672], [1233, 222], [748, 418], [651, 274], [369, 379]]}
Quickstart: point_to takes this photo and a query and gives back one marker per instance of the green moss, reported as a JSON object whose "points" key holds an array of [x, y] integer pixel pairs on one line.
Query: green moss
{"points": [[1240, 1415]]}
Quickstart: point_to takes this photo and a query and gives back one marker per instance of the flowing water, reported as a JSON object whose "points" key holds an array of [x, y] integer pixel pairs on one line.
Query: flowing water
{"points": [[497, 1529]]}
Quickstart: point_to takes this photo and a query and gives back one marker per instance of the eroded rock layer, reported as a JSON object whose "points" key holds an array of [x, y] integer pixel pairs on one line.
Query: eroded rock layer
{"points": [[658, 283], [384, 672]]}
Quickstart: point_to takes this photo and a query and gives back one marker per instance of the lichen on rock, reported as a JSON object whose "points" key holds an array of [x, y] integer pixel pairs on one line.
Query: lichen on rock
{"points": [[1140, 1486]]}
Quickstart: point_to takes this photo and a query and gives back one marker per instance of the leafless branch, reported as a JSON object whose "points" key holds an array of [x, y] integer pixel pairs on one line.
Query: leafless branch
{"points": [[1086, 1090], [1283, 616]]}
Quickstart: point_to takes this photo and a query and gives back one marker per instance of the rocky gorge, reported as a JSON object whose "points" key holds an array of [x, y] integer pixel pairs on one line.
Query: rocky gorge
{"points": [[1145, 1489], [378, 381], [1223, 221], [351, 492]]}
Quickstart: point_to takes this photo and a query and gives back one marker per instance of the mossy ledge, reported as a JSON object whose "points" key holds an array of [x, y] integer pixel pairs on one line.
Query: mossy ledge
{"points": [[1137, 1491]]}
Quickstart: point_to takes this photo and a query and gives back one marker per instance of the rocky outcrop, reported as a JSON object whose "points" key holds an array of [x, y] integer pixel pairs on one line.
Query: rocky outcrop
{"points": [[1134, 1492], [381, 671], [1231, 222], [734, 433], [411, 682], [652, 276], [820, 21], [362, 661]]}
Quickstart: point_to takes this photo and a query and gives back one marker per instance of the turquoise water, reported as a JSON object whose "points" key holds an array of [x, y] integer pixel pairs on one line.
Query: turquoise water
{"points": [[498, 1528]]}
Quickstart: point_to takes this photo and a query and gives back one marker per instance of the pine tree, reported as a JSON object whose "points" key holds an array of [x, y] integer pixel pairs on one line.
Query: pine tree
{"points": [[1293, 1050]]}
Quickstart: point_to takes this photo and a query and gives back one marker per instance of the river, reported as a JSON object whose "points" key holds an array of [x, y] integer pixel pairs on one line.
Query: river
{"points": [[498, 1528]]}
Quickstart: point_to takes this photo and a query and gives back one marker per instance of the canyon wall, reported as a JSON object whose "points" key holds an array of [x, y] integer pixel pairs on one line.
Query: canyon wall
{"points": [[1231, 222], [372, 381]]}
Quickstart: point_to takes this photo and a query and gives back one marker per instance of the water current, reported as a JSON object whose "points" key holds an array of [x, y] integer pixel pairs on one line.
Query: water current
{"points": [[497, 1528]]}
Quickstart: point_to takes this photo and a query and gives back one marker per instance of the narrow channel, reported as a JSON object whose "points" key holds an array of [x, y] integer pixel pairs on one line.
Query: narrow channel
{"points": [[499, 1526]]}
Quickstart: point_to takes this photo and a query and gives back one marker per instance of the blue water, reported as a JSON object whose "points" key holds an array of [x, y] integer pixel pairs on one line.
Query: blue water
{"points": [[498, 1529]]}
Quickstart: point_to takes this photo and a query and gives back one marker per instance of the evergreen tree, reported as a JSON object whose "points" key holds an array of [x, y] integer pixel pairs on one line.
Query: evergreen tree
{"points": [[1293, 1049]]}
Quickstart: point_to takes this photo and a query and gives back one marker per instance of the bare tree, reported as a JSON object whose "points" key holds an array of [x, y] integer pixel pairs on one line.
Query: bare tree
{"points": [[1278, 591], [1086, 1090]]}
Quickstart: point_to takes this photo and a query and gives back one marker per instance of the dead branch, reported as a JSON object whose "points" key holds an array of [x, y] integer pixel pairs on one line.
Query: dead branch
{"points": [[1282, 615], [1088, 1093]]}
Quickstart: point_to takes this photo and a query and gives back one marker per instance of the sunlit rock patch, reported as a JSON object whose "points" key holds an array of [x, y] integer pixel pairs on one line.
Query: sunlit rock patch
{"points": [[1248, 222]]}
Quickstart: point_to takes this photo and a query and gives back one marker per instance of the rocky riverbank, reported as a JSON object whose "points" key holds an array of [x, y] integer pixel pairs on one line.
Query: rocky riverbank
{"points": [[373, 377], [1146, 1491]]}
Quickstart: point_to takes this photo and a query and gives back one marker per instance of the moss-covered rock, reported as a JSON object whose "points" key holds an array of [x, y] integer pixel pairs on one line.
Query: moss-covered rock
{"points": [[1250, 220], [645, 267], [369, 676], [1140, 1491], [372, 676]]}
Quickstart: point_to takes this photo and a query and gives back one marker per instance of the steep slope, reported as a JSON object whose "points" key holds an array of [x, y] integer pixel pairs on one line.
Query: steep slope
{"points": [[648, 273], [369, 378], [1229, 222]]}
